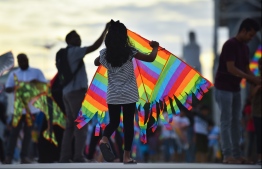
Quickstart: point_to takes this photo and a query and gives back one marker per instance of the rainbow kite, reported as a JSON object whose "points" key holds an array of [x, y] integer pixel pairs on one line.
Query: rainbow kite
{"points": [[163, 80], [254, 62], [253, 65], [40, 95], [6, 62]]}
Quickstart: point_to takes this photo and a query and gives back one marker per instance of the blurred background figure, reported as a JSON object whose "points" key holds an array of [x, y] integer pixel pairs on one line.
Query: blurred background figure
{"points": [[248, 123], [170, 141], [191, 52], [201, 126], [256, 94], [25, 73], [3, 119], [214, 150]]}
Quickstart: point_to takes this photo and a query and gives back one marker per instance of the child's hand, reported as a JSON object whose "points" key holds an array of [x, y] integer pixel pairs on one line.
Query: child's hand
{"points": [[154, 44]]}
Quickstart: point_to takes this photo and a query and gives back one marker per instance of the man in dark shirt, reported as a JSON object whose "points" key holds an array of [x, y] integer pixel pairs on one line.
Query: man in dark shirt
{"points": [[233, 66]]}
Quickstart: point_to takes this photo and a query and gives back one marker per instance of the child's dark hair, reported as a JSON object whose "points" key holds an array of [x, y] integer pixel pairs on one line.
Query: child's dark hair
{"points": [[249, 24], [117, 44]]}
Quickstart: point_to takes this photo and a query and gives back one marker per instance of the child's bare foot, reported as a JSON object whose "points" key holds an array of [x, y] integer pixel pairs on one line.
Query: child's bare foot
{"points": [[127, 159]]}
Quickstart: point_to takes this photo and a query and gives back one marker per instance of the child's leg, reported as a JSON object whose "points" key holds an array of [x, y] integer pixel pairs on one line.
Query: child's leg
{"points": [[114, 115], [128, 122]]}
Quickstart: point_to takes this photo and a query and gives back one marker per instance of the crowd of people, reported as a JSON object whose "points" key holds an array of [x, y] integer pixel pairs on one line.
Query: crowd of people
{"points": [[191, 137]]}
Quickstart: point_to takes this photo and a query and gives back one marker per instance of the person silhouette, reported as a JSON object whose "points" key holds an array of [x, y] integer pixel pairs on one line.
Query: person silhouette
{"points": [[73, 95], [233, 67]]}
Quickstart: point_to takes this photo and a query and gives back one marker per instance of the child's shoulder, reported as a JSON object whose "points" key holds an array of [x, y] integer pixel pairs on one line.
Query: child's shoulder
{"points": [[102, 51]]}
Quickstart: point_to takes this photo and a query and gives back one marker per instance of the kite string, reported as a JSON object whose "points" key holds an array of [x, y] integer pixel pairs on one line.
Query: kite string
{"points": [[142, 80]]}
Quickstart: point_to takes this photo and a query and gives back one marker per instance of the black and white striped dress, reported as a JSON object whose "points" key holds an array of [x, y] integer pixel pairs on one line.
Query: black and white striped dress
{"points": [[122, 86]]}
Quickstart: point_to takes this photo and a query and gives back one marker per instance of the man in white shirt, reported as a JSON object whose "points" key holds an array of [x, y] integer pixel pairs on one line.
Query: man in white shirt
{"points": [[24, 74]]}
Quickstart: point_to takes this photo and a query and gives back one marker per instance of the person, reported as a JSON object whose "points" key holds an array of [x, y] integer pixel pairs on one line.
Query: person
{"points": [[233, 66], [3, 126], [191, 52], [122, 88], [257, 112], [190, 151], [94, 140], [24, 73], [73, 95], [248, 123], [176, 138], [201, 126], [214, 153], [44, 145]]}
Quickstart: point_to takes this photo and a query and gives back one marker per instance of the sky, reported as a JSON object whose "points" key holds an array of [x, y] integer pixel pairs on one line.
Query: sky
{"points": [[38, 28]]}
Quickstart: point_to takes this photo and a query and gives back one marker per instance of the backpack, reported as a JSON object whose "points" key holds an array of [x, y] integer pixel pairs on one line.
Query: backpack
{"points": [[65, 75]]}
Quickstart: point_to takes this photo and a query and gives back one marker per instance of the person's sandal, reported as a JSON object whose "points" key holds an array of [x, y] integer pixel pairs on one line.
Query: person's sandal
{"points": [[245, 161], [107, 152], [131, 162], [231, 160]]}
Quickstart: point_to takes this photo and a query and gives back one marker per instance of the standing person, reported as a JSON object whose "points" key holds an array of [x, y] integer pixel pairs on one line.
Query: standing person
{"points": [[249, 128], [73, 95], [24, 73], [201, 127], [214, 153], [3, 126], [233, 66], [122, 89], [175, 140], [191, 52], [256, 93]]}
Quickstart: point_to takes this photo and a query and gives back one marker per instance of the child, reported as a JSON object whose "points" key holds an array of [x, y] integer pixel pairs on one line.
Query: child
{"points": [[122, 89], [257, 112]]}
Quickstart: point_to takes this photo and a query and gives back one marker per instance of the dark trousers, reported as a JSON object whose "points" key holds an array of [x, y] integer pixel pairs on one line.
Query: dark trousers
{"points": [[251, 141], [73, 103], [2, 153], [257, 123], [14, 135], [45, 146], [128, 122]]}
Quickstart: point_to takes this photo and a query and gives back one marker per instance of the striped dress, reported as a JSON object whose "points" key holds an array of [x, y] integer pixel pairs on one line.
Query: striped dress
{"points": [[122, 86]]}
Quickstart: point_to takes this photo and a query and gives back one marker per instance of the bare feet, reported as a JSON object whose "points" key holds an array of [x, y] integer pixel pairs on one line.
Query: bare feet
{"points": [[104, 140], [127, 158]]}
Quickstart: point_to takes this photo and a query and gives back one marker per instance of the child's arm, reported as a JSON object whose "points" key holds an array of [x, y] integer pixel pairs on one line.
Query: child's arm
{"points": [[151, 57], [99, 41], [96, 62]]}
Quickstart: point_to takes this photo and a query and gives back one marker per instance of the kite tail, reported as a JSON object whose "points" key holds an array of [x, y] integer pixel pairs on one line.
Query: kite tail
{"points": [[83, 118], [101, 122], [50, 137], [154, 115], [142, 123]]}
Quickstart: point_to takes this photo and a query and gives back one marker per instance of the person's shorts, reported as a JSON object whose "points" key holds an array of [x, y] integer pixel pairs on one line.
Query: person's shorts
{"points": [[201, 143]]}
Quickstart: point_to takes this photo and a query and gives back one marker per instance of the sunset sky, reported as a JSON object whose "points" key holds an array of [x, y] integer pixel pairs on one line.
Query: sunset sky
{"points": [[29, 25]]}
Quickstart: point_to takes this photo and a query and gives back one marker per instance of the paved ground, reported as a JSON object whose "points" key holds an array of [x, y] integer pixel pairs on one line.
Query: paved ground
{"points": [[122, 166]]}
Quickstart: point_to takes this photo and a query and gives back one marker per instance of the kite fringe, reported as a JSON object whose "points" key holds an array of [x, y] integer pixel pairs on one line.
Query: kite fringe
{"points": [[170, 102]]}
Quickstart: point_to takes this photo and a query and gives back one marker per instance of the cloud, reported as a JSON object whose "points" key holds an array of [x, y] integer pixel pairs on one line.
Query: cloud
{"points": [[30, 22]]}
